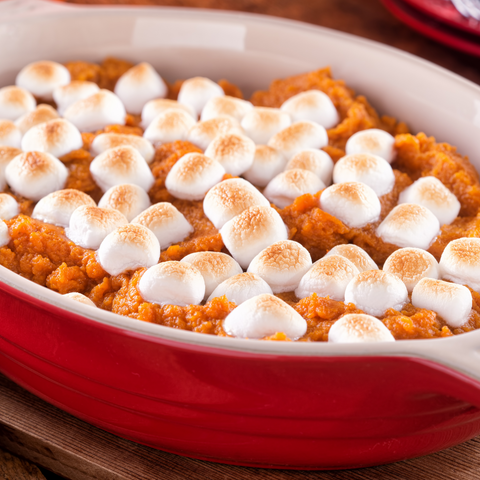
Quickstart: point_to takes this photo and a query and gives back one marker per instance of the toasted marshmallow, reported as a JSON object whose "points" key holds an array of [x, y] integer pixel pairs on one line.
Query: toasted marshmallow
{"points": [[262, 123], [36, 174], [43, 113], [193, 175], [316, 161], [230, 106], [105, 141], [262, 316], [197, 91], [358, 328], [90, 225], [15, 102], [168, 126], [153, 108], [247, 234], [78, 297], [129, 199], [434, 195], [268, 162], [96, 111], [410, 265], [139, 85], [374, 142], [375, 291], [57, 208], [203, 133], [8, 207], [4, 234], [41, 78], [358, 256], [10, 135], [354, 203], [127, 248], [409, 225], [120, 165], [7, 154], [241, 288], [67, 95], [172, 283]]}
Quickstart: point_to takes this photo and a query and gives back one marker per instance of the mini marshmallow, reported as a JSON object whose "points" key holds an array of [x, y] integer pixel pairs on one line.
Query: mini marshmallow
{"points": [[58, 207], [290, 184], [90, 225], [120, 165], [230, 106], [166, 222], [172, 283], [262, 123], [354, 203], [43, 113], [410, 265], [241, 288], [329, 276], [203, 133], [359, 328], [139, 85], [8, 207], [67, 95], [129, 199], [192, 176], [282, 265], [154, 107], [268, 162], [10, 135], [15, 102], [36, 174], [96, 111], [105, 141], [434, 195], [375, 291], [247, 234], [262, 316], [168, 126], [41, 78], [197, 91], [7, 154], [358, 256], [4, 234], [409, 225], [316, 161], [127, 248], [78, 297], [374, 142], [312, 105]]}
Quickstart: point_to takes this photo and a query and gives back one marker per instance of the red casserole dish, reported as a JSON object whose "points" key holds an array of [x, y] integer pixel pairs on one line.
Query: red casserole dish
{"points": [[246, 402]]}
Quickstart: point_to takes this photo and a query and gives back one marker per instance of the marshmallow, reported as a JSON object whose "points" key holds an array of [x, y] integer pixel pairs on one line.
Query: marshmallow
{"points": [[452, 302], [358, 256], [312, 105], [358, 328], [316, 161], [41, 78], [329, 276], [353, 203], [166, 222], [262, 123], [58, 207], [371, 170], [374, 142], [202, 133], [197, 91], [282, 265], [67, 95], [8, 207], [139, 85], [4, 235], [434, 195], [105, 141], [154, 107], [299, 136], [215, 268], [262, 316], [241, 288], [247, 234], [268, 162], [229, 198], [36, 174], [410, 265], [129, 199], [192, 176], [375, 291], [172, 283], [10, 135], [127, 248], [43, 113], [78, 297], [409, 225], [15, 102], [90, 225], [96, 111], [120, 165], [168, 126], [7, 154], [230, 106], [287, 186]]}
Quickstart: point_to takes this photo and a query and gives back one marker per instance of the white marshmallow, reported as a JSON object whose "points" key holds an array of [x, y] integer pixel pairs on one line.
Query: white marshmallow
{"points": [[166, 222], [105, 141], [15, 102], [154, 107], [372, 141], [353, 203], [358, 328], [8, 207], [67, 95], [203, 133], [241, 288], [43, 113], [192, 176], [58, 207], [7, 154], [358, 256], [375, 291], [316, 161], [10, 135], [434, 195], [172, 283], [409, 225], [231, 106], [262, 316], [120, 165], [197, 91], [4, 234], [247, 234], [78, 297], [90, 225], [129, 199], [127, 248], [36, 174], [268, 162], [139, 85], [262, 123], [168, 126]]}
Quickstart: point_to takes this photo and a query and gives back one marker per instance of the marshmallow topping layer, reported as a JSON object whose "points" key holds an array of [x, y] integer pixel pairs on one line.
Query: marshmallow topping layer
{"points": [[372, 141], [105, 141], [129, 199], [10, 135], [316, 161], [15, 102], [7, 154], [43, 113], [230, 106], [8, 207], [41, 78], [262, 123], [197, 91], [358, 256], [168, 126], [268, 162], [203, 133], [357, 328], [154, 107], [78, 297], [67, 95], [4, 234]]}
